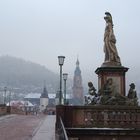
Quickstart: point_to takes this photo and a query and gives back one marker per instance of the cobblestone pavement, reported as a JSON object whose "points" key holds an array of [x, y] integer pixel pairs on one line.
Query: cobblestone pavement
{"points": [[19, 127]]}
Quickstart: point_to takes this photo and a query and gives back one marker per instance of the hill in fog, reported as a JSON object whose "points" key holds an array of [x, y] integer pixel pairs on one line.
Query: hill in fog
{"points": [[17, 72]]}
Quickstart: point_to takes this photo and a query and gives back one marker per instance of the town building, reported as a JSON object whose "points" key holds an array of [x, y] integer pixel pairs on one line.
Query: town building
{"points": [[44, 99]]}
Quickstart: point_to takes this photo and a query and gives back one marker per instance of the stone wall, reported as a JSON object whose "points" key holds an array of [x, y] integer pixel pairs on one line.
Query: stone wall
{"points": [[3, 110]]}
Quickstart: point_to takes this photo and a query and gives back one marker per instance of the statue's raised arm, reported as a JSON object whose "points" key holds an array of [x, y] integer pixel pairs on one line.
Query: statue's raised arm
{"points": [[111, 55]]}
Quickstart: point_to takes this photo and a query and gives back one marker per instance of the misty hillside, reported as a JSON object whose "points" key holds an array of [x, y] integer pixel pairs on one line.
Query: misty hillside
{"points": [[18, 72]]}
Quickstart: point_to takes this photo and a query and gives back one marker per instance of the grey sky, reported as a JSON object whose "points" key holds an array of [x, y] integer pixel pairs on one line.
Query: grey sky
{"points": [[40, 30]]}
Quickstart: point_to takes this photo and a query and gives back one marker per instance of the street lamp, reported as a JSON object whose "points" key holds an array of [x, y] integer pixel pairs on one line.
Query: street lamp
{"points": [[61, 62], [9, 97], [57, 98], [9, 107], [65, 76], [5, 89]]}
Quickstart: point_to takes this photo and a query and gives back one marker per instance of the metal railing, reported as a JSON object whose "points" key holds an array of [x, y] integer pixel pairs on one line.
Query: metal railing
{"points": [[62, 132]]}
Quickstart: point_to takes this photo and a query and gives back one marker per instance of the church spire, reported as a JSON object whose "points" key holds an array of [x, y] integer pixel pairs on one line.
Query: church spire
{"points": [[77, 70], [77, 63], [77, 86]]}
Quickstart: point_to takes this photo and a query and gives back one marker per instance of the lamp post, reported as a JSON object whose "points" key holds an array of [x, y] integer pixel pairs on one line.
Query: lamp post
{"points": [[61, 62], [9, 97], [9, 107], [65, 76], [5, 89], [57, 98]]}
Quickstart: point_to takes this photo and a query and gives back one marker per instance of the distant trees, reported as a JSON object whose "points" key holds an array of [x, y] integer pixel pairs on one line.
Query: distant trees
{"points": [[18, 72]]}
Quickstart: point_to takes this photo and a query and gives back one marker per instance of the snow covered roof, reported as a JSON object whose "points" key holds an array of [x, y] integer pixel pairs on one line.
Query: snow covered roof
{"points": [[20, 103], [33, 95], [37, 96], [51, 96]]}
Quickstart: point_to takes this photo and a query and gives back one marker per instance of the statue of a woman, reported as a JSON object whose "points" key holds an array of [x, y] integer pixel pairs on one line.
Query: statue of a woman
{"points": [[111, 54]]}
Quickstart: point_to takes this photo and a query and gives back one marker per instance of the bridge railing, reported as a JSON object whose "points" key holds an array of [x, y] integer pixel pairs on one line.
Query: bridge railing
{"points": [[99, 116], [60, 131]]}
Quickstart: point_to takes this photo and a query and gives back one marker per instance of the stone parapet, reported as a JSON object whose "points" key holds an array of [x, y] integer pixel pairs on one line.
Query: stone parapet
{"points": [[99, 116]]}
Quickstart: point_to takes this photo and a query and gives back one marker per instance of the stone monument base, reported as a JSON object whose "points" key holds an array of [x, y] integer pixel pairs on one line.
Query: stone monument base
{"points": [[116, 73]]}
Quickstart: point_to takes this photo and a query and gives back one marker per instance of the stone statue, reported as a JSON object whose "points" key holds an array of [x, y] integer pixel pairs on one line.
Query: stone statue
{"points": [[93, 97], [108, 88], [86, 100], [111, 54], [110, 96], [107, 91], [92, 90], [132, 95]]}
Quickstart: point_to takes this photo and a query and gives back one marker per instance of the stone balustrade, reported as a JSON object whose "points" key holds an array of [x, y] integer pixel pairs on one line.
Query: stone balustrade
{"points": [[100, 116]]}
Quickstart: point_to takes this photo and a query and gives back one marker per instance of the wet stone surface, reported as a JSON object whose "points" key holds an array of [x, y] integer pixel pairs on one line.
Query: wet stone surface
{"points": [[19, 127]]}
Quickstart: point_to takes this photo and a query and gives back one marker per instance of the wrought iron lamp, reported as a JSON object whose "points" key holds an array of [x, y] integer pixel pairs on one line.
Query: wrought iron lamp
{"points": [[61, 62]]}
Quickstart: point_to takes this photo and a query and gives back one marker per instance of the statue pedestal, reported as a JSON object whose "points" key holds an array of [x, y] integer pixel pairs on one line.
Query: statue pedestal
{"points": [[117, 74]]}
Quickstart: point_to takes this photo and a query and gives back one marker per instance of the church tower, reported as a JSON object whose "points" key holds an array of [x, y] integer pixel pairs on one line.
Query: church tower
{"points": [[44, 99], [78, 98]]}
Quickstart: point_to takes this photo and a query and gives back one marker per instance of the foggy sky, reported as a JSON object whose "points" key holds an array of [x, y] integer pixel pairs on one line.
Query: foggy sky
{"points": [[40, 30]]}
